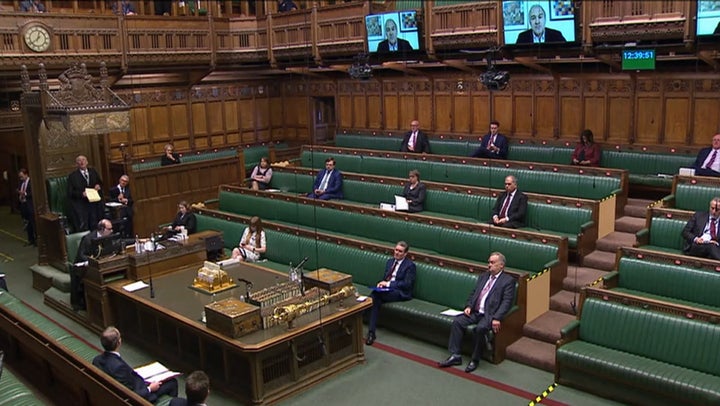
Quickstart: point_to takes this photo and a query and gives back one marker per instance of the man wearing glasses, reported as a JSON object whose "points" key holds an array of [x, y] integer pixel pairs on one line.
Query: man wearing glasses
{"points": [[396, 285], [85, 251], [701, 232], [510, 206]]}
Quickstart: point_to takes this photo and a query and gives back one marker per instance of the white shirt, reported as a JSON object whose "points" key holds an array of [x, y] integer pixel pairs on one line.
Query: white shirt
{"points": [[716, 164], [490, 282]]}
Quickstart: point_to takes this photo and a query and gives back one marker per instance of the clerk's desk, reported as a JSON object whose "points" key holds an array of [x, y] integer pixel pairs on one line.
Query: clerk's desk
{"points": [[134, 266], [261, 367]]}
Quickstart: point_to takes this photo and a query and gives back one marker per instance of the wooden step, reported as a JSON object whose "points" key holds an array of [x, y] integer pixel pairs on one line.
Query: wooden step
{"points": [[629, 224], [600, 260], [547, 327], [579, 276], [563, 302], [637, 207], [613, 241]]}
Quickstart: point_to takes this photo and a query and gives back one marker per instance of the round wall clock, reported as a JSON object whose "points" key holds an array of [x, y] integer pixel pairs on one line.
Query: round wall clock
{"points": [[37, 38]]}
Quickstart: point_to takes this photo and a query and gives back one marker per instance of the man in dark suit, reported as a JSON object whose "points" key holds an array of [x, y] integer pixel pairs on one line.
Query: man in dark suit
{"points": [[85, 212], [510, 206], [707, 162], [538, 33], [121, 194], [701, 232], [397, 285], [328, 183], [415, 140], [493, 145], [112, 364], [85, 250], [486, 307], [392, 43], [197, 389], [27, 210]]}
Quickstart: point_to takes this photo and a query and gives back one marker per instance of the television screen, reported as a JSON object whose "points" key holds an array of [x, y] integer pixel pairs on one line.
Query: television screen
{"points": [[708, 17], [531, 22], [396, 31], [638, 59], [108, 245]]}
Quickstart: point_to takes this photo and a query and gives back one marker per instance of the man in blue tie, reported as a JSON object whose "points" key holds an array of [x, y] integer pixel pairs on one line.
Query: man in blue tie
{"points": [[397, 285], [707, 162], [701, 232], [328, 183], [486, 308]]}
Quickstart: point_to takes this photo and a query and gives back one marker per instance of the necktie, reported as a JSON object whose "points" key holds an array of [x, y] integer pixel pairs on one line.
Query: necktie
{"points": [[713, 229], [391, 272], [485, 291], [325, 181], [712, 160], [122, 190], [411, 144], [503, 211], [23, 188], [86, 176]]}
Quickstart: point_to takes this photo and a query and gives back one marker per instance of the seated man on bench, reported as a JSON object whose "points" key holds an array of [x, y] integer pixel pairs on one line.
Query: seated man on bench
{"points": [[486, 307]]}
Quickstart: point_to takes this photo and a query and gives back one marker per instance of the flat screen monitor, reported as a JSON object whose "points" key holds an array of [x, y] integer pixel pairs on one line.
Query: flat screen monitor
{"points": [[708, 18], [532, 22], [393, 32], [108, 245], [638, 59]]}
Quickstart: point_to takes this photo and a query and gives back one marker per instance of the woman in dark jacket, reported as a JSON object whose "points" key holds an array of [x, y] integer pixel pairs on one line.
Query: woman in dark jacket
{"points": [[414, 192]]}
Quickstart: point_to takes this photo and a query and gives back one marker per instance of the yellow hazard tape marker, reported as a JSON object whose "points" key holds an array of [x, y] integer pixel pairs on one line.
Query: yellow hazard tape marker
{"points": [[7, 257], [15, 236], [542, 396]]}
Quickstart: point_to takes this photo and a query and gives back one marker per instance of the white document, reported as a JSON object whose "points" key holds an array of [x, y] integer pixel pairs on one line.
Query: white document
{"points": [[361, 298], [132, 287], [387, 206], [400, 203], [92, 195], [687, 171], [451, 312], [155, 372]]}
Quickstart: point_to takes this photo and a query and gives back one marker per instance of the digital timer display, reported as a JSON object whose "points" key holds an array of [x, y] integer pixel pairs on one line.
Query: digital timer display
{"points": [[638, 59]]}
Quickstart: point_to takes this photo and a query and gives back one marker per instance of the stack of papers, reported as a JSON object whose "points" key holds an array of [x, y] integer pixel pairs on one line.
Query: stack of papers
{"points": [[451, 312], [155, 372], [135, 286]]}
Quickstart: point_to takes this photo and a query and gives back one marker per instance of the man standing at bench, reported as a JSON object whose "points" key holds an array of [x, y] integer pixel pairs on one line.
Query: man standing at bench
{"points": [[707, 162], [486, 307], [328, 183], [397, 285], [87, 209], [415, 140], [511, 206], [701, 232], [494, 145], [112, 364]]}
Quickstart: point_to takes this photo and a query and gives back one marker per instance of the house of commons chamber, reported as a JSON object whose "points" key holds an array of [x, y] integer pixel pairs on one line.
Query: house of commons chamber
{"points": [[344, 201]]}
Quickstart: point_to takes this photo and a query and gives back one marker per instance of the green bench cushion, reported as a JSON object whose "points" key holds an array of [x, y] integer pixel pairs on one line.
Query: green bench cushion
{"points": [[667, 233], [694, 197]]}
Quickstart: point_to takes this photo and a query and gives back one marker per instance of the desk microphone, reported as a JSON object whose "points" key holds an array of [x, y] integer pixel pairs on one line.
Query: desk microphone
{"points": [[299, 268]]}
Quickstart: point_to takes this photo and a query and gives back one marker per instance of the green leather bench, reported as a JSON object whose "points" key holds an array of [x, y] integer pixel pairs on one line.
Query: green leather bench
{"points": [[685, 285], [536, 181], [436, 288], [692, 193], [644, 167], [14, 392], [377, 142], [663, 233], [640, 356], [525, 256], [541, 217], [61, 338], [187, 157]]}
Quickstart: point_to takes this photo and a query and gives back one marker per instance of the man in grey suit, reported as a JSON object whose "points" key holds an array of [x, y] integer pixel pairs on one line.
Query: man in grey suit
{"points": [[486, 307], [701, 232]]}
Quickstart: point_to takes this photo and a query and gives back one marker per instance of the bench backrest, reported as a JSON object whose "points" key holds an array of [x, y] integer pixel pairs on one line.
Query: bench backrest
{"points": [[694, 197], [678, 282], [660, 336], [58, 200], [383, 143], [524, 255], [667, 233]]}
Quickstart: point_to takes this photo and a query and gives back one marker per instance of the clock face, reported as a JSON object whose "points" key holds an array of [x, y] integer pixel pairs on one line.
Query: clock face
{"points": [[37, 38]]}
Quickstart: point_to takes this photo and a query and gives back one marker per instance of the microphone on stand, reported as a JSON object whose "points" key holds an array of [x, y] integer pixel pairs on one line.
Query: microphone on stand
{"points": [[300, 267], [147, 256]]}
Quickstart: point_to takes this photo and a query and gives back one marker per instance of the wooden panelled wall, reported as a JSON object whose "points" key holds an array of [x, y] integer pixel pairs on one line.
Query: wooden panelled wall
{"points": [[623, 109]]}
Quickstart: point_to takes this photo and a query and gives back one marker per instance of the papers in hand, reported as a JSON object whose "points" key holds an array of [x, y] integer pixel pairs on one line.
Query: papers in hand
{"points": [[132, 287], [155, 372], [112, 204], [92, 195], [451, 312], [400, 203]]}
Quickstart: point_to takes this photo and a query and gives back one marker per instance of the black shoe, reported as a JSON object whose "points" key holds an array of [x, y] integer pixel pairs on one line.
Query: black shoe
{"points": [[450, 361], [471, 366], [370, 338]]}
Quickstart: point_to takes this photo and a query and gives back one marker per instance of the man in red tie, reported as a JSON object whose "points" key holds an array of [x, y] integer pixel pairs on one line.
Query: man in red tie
{"points": [[415, 140], [486, 308], [510, 206], [707, 162], [396, 285], [701, 232]]}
